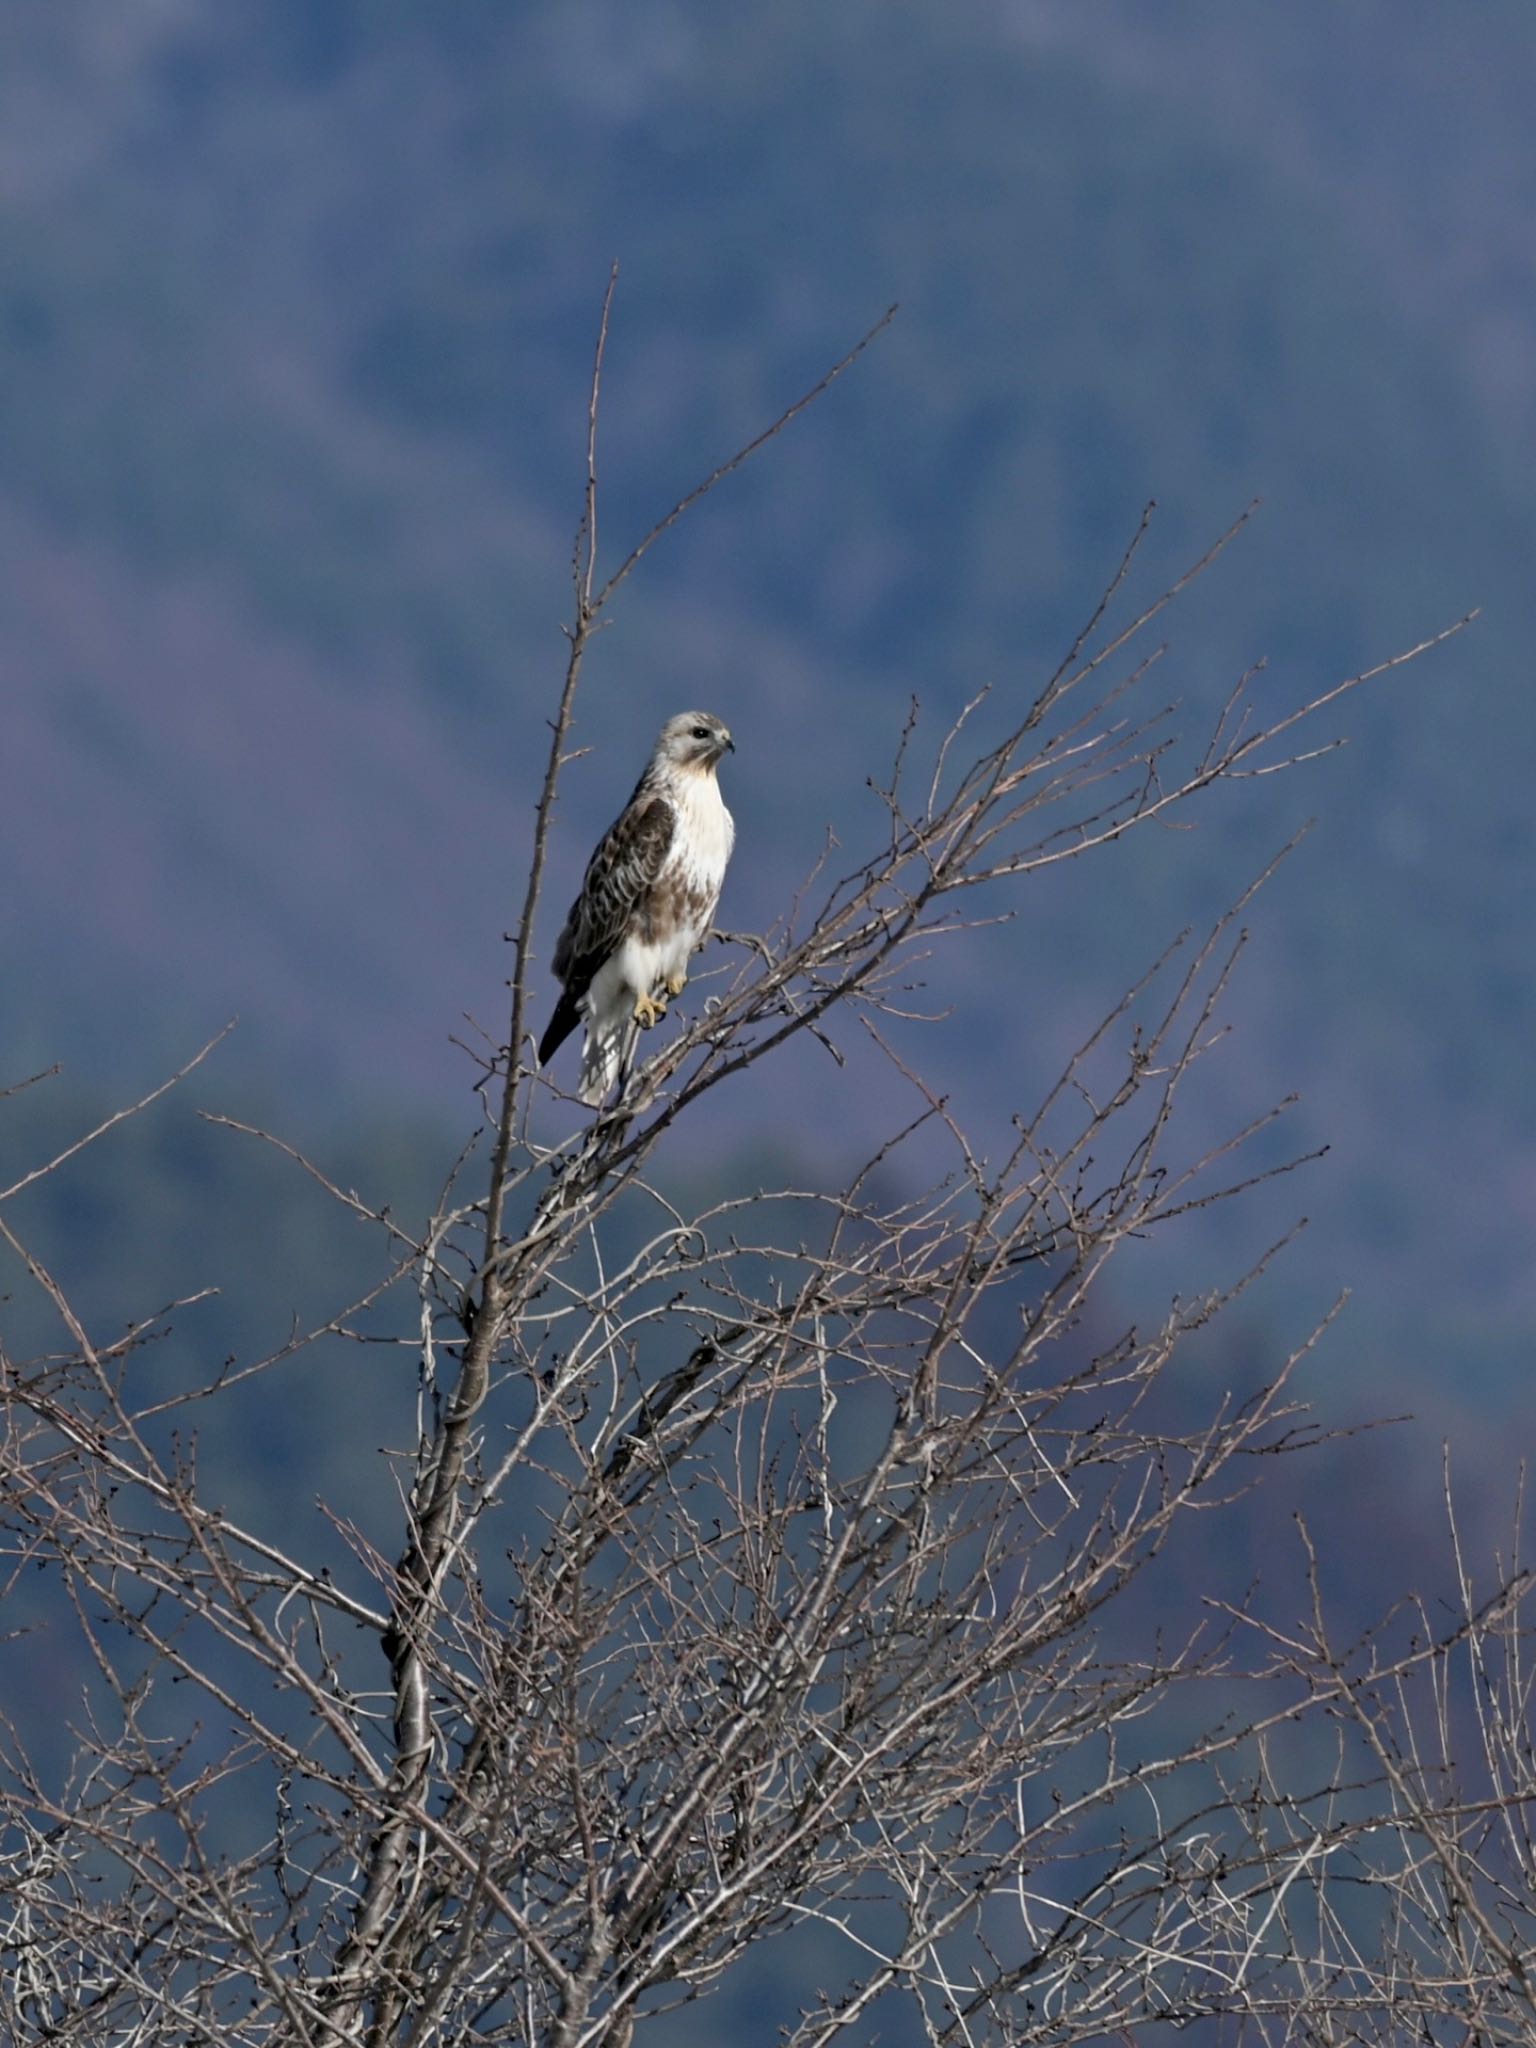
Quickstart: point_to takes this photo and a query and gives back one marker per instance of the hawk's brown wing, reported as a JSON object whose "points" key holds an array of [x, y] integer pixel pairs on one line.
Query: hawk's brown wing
{"points": [[628, 859]]}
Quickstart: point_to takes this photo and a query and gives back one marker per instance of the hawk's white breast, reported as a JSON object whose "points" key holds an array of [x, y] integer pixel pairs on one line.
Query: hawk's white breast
{"points": [[701, 846]]}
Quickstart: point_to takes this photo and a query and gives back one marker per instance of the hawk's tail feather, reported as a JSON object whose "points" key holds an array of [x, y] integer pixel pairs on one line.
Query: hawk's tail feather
{"points": [[605, 1059], [559, 1028]]}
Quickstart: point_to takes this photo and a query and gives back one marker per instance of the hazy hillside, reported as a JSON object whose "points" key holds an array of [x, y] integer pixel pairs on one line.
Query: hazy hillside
{"points": [[297, 304], [1410, 131], [296, 307]]}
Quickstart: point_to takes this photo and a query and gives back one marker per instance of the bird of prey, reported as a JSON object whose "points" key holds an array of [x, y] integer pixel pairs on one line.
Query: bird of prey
{"points": [[646, 903]]}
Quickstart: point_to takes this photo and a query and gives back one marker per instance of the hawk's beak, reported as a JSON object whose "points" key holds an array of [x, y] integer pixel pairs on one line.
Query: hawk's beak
{"points": [[730, 744]]}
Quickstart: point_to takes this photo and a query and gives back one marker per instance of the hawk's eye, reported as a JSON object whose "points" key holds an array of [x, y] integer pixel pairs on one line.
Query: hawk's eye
{"points": [[702, 732]]}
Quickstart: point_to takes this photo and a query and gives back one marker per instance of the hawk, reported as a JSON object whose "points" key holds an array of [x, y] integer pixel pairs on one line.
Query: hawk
{"points": [[646, 903]]}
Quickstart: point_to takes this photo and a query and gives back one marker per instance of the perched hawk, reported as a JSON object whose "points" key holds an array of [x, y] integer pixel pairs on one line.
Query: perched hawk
{"points": [[646, 903]]}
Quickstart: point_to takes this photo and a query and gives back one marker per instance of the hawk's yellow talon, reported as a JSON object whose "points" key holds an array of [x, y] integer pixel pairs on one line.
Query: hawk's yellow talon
{"points": [[648, 1011], [676, 983]]}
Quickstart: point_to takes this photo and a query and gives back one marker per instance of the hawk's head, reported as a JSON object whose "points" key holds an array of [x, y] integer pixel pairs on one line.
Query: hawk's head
{"points": [[694, 739]]}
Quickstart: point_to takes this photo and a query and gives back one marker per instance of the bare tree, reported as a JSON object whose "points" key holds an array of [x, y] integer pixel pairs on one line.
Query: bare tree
{"points": [[1417, 1911], [756, 1560]]}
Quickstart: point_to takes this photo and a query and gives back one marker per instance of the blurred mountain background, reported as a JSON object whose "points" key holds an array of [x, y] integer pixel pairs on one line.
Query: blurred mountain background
{"points": [[297, 303]]}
